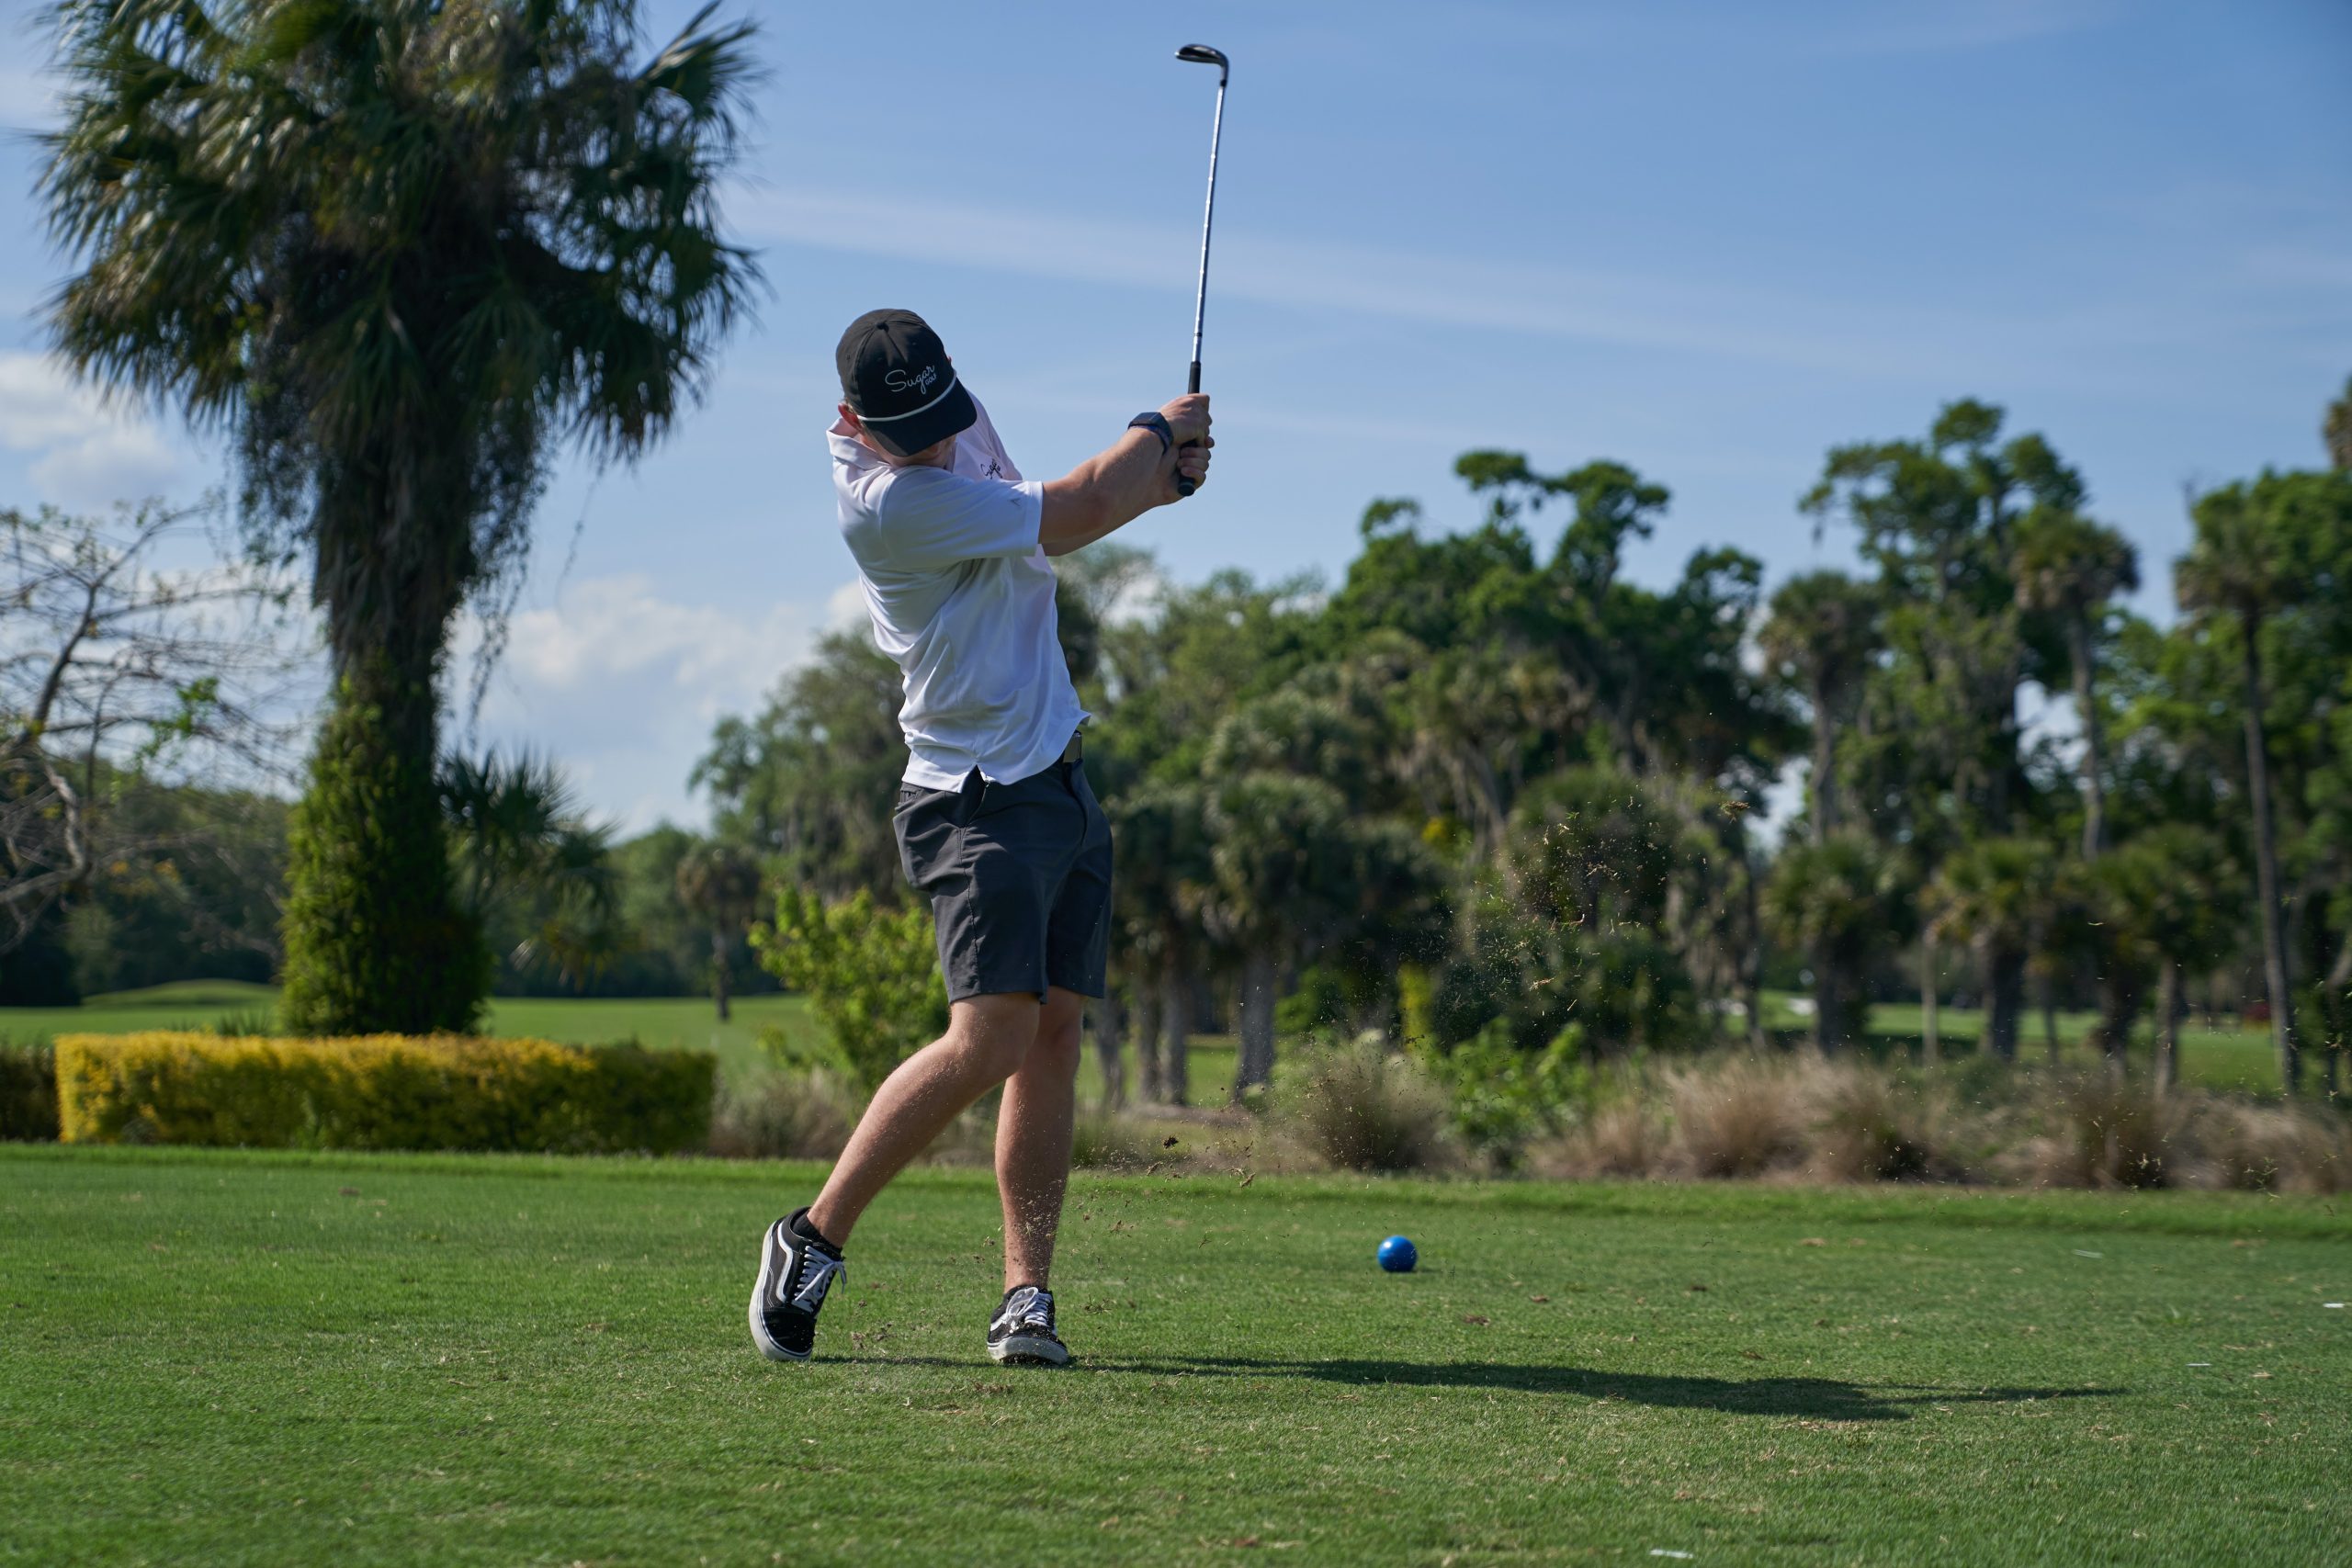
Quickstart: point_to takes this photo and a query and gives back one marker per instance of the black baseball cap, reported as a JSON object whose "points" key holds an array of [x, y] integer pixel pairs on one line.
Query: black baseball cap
{"points": [[896, 377]]}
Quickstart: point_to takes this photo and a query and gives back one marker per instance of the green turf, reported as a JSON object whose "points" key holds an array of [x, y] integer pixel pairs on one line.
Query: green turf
{"points": [[2218, 1059], [226, 1357]]}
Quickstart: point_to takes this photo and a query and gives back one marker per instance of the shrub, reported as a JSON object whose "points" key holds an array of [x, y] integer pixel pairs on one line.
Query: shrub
{"points": [[1742, 1118], [1111, 1142], [1362, 1107], [28, 1092], [808, 1114], [871, 974], [1624, 1138], [374, 936], [2109, 1132], [1871, 1125], [384, 1091], [2273, 1148], [1501, 1096]]}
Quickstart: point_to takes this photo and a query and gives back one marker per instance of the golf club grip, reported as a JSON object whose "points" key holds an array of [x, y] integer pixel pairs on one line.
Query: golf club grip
{"points": [[1192, 384]]}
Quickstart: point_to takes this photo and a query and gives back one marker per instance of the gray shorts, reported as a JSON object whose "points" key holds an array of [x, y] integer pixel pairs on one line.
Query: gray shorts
{"points": [[1019, 879]]}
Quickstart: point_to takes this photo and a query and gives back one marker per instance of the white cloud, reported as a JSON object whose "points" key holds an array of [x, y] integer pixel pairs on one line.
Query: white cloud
{"points": [[1830, 332], [622, 683], [89, 451]]}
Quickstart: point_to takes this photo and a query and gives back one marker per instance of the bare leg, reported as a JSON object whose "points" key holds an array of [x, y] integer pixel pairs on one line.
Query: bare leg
{"points": [[988, 1039], [1033, 1134]]}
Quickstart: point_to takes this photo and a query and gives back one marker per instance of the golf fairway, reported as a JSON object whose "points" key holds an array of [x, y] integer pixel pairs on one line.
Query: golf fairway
{"points": [[227, 1357]]}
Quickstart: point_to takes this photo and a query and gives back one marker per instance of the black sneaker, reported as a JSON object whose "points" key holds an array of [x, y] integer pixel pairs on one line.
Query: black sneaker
{"points": [[794, 1273], [1023, 1330]]}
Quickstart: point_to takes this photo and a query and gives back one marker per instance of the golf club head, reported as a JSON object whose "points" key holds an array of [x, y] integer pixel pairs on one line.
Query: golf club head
{"points": [[1201, 54]]}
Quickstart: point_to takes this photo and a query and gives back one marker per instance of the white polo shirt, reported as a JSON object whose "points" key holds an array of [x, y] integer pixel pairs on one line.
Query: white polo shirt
{"points": [[961, 596]]}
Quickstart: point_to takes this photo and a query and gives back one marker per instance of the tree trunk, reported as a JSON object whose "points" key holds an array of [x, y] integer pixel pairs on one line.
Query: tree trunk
{"points": [[1109, 1017], [1175, 1034], [1824, 765], [2045, 993], [1828, 1002], [1255, 1066], [719, 975], [375, 941], [2266, 867], [2168, 1008], [1930, 1042], [1144, 1020], [2001, 971], [1751, 972], [2078, 646]]}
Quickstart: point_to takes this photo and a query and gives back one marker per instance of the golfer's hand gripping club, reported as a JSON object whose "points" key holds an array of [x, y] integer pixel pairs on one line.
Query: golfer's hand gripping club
{"points": [[1188, 422]]}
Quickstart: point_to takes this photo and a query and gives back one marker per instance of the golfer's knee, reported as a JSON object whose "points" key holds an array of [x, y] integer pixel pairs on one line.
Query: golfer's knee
{"points": [[1059, 1046], [994, 1034]]}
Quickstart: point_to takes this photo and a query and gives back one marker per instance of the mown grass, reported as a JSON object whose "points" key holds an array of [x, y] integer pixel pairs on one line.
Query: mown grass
{"points": [[288, 1359]]}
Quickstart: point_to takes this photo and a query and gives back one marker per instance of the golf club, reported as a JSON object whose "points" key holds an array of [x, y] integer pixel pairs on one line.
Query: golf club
{"points": [[1201, 54]]}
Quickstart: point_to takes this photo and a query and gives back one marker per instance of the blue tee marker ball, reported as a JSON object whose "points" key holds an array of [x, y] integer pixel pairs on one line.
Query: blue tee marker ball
{"points": [[1397, 1255]]}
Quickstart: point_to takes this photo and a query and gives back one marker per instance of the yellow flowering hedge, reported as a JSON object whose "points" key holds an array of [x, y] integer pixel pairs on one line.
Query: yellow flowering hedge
{"points": [[381, 1091]]}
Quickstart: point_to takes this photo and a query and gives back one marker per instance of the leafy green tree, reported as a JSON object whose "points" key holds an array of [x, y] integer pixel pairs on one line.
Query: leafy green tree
{"points": [[808, 783], [2335, 430], [400, 250], [1936, 755], [871, 971]]}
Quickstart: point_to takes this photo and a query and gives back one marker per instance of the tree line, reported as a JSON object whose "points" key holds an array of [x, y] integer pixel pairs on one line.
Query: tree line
{"points": [[1485, 788]]}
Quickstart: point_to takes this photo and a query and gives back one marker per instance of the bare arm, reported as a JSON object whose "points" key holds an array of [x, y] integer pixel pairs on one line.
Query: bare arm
{"points": [[1120, 483]]}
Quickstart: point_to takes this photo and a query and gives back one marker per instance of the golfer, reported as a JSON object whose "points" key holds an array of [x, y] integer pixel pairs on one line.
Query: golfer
{"points": [[997, 826]]}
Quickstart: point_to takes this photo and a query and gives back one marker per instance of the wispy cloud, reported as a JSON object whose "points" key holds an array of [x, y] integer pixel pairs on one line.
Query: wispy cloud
{"points": [[1656, 311], [88, 451], [623, 681]]}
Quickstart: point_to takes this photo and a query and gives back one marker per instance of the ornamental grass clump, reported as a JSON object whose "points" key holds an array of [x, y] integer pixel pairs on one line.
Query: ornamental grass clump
{"points": [[1362, 1107], [804, 1114], [1741, 1117], [1869, 1124], [2106, 1131], [2272, 1148]]}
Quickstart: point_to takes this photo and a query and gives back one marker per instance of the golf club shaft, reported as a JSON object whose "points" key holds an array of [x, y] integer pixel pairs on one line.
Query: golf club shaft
{"points": [[1200, 297]]}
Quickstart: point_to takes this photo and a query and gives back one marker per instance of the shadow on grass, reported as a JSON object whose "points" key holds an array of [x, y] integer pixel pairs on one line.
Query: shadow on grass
{"points": [[1822, 1399]]}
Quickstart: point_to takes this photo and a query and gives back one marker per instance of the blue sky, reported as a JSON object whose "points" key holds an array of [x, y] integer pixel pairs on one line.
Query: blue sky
{"points": [[1709, 240]]}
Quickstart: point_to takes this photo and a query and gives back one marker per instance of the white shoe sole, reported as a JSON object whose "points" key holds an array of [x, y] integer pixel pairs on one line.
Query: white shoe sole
{"points": [[1026, 1348]]}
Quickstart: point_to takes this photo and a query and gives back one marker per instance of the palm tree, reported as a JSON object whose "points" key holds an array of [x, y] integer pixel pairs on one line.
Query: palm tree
{"points": [[2068, 567], [528, 860], [400, 251], [1283, 862], [1837, 900], [721, 884], [1163, 833], [2338, 429], [1820, 634], [1994, 894], [2174, 903], [2237, 574]]}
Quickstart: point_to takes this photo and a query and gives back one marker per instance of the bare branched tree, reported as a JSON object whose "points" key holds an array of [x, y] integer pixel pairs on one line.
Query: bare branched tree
{"points": [[115, 669]]}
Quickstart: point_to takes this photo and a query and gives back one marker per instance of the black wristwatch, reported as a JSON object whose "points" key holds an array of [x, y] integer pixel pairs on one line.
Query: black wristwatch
{"points": [[1156, 423]]}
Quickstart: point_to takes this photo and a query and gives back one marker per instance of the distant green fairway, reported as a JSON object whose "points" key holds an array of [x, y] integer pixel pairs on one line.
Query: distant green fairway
{"points": [[286, 1359], [2212, 1058]]}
